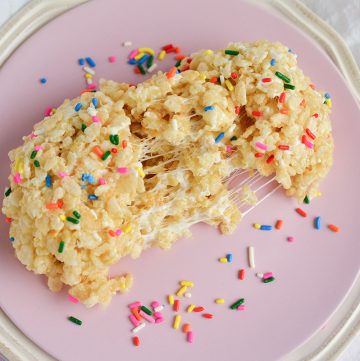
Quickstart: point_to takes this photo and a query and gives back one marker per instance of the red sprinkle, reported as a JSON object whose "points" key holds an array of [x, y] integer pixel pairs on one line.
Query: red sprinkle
{"points": [[259, 155], [112, 233], [186, 68], [8, 220], [189, 60], [282, 98], [213, 80], [334, 228], [180, 57], [257, 113], [60, 203], [316, 115], [310, 133], [302, 103], [303, 139], [266, 80], [270, 159], [177, 305], [114, 150], [199, 309], [237, 109], [124, 144], [301, 212], [136, 341], [234, 75], [283, 147], [208, 315], [284, 111], [167, 47], [242, 274], [137, 70]]}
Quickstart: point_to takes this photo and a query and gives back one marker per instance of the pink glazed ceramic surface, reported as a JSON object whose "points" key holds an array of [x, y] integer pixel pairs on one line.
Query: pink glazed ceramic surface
{"points": [[313, 274]]}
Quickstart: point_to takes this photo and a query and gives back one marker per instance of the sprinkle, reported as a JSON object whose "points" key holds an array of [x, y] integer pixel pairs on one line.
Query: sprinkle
{"points": [[209, 107], [146, 316], [259, 155], [190, 337], [146, 310], [187, 283], [33, 154], [77, 107], [102, 181], [140, 172], [186, 328], [135, 305], [229, 257], [289, 86], [199, 309], [268, 280], [301, 212], [134, 320], [233, 138], [8, 192], [256, 113], [306, 200], [270, 159], [261, 145], [306, 142], [171, 72], [267, 275], [149, 62], [265, 228], [52, 206], [136, 341], [272, 62], [177, 320], [127, 43], [241, 308], [176, 305], [161, 55], [187, 295], [90, 61], [95, 102], [208, 52], [93, 197], [8, 220], [141, 68], [127, 229], [266, 80], [284, 111], [171, 299], [190, 308], [282, 97], [219, 137], [223, 260], [279, 223], [229, 85], [309, 133], [242, 274], [81, 61], [213, 80], [327, 95], [147, 50], [259, 275], [83, 127], [132, 61], [114, 150], [143, 59], [36, 163], [237, 109], [72, 220], [251, 257], [159, 308], [152, 68], [112, 59], [282, 77], [135, 312], [43, 80], [231, 52], [334, 228], [290, 239], [138, 328], [168, 47], [208, 315], [98, 151], [177, 64], [73, 299], [133, 54], [159, 320], [317, 223], [75, 320], [77, 214], [236, 304], [61, 246], [328, 103], [181, 291], [283, 147], [106, 155], [219, 301]]}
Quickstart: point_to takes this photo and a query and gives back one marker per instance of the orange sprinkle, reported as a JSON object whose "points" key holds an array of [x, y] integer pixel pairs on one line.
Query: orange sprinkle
{"points": [[136, 313], [284, 111], [180, 57], [334, 228], [213, 80], [186, 327], [171, 72], [112, 233], [98, 151], [124, 144], [279, 224], [176, 305], [270, 159], [52, 206]]}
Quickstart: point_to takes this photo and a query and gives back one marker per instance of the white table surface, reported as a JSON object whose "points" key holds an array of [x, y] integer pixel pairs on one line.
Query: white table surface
{"points": [[342, 15]]}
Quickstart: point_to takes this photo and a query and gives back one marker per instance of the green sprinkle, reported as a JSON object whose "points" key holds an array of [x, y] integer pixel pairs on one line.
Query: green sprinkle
{"points": [[33, 154], [231, 52], [36, 163], [106, 155], [61, 246], [146, 310], [8, 191], [114, 139], [75, 320], [267, 280], [306, 200], [289, 86], [282, 77], [233, 138], [72, 220], [83, 127], [77, 214], [150, 61], [178, 63], [235, 305], [142, 70]]}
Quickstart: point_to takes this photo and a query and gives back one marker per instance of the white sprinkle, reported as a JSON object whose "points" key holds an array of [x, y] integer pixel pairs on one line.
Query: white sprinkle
{"points": [[91, 111], [152, 68], [251, 255], [138, 328], [260, 275], [127, 43], [222, 79], [159, 308], [187, 294], [88, 70]]}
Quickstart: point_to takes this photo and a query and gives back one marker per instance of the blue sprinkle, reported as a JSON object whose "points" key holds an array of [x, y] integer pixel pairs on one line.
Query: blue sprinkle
{"points": [[12, 239], [90, 61], [43, 80], [81, 61], [229, 257], [219, 137], [90, 179], [209, 107], [272, 62], [132, 61], [95, 102], [143, 59], [78, 106], [266, 228], [327, 95], [84, 177], [178, 71], [289, 50], [317, 223], [48, 181], [93, 197]]}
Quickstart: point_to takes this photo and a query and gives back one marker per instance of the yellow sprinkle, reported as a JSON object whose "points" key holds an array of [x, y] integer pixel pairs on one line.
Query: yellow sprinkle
{"points": [[208, 52], [88, 76], [161, 55], [187, 283], [19, 165], [219, 301], [53, 110], [147, 50], [318, 194], [140, 171], [139, 56], [171, 299], [223, 260], [190, 308], [127, 229], [257, 225], [202, 76], [181, 291], [177, 320], [62, 217], [229, 85], [328, 102]]}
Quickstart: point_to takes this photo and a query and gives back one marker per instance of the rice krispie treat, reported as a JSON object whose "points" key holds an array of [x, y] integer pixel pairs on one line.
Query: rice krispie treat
{"points": [[125, 168]]}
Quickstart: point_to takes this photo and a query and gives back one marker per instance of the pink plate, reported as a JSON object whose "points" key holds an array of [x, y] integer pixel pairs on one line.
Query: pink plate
{"points": [[313, 274]]}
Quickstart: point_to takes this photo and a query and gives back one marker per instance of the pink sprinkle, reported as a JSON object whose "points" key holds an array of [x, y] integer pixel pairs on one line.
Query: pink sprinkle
{"points": [[308, 144], [102, 181], [135, 304], [190, 337], [32, 135], [122, 170], [267, 275], [146, 316], [241, 308], [134, 320], [91, 86], [17, 178], [38, 147], [158, 315], [229, 148], [159, 320], [62, 174], [112, 59], [155, 304], [261, 145], [96, 119], [73, 299], [48, 111], [118, 232], [133, 54], [290, 239]]}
